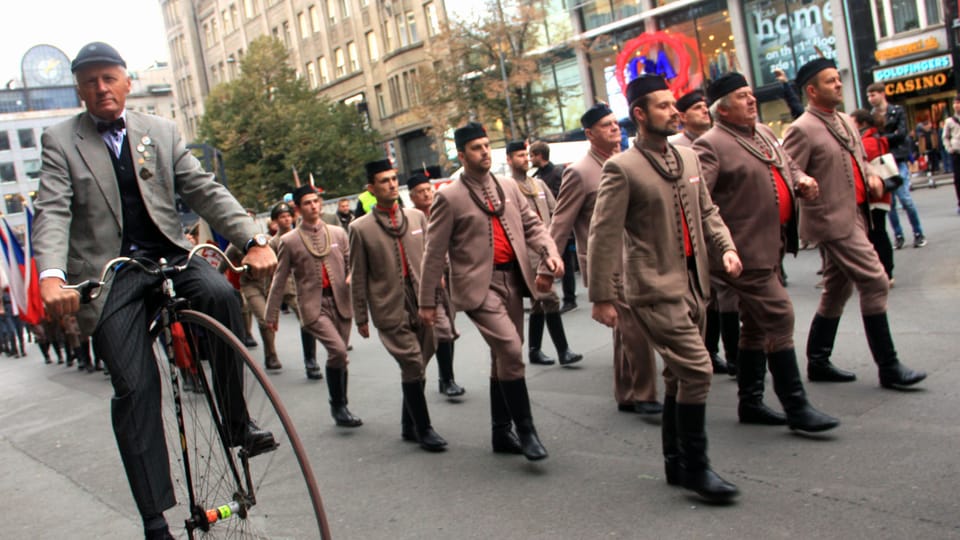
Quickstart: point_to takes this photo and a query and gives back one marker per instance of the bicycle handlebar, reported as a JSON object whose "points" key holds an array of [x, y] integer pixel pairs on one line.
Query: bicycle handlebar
{"points": [[89, 289]]}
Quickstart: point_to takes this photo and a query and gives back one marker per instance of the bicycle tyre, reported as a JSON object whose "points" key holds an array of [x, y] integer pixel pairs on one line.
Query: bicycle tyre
{"points": [[288, 502]]}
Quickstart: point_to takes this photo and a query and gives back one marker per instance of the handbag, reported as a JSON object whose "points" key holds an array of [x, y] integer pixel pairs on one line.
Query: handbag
{"points": [[885, 167]]}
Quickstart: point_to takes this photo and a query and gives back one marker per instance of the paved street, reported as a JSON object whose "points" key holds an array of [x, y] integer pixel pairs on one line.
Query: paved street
{"points": [[889, 471]]}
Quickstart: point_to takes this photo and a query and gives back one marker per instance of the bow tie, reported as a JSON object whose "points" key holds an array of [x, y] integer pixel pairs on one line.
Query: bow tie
{"points": [[116, 126]]}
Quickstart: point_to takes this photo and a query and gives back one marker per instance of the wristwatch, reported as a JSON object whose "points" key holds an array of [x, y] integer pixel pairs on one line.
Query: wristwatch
{"points": [[260, 240]]}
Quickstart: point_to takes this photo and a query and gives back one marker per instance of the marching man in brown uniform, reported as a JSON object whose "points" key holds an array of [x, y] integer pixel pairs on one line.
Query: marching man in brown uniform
{"points": [[755, 185], [546, 309], [634, 363], [488, 229], [318, 256], [282, 215], [723, 317], [826, 145], [421, 195], [654, 211], [386, 247]]}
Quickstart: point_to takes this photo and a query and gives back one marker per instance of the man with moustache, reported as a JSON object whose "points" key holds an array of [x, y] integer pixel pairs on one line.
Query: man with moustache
{"points": [[634, 363], [318, 256], [755, 186], [487, 228], [826, 145], [723, 317], [421, 195], [546, 309], [654, 211], [387, 248], [108, 188]]}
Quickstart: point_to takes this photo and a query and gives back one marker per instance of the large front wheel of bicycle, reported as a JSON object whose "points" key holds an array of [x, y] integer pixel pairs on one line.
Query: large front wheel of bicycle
{"points": [[272, 494]]}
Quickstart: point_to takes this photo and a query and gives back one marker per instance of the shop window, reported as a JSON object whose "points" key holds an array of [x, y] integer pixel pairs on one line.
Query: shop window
{"points": [[785, 34]]}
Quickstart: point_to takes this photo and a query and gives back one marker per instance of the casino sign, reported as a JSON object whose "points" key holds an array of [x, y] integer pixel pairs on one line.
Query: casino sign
{"points": [[923, 76]]}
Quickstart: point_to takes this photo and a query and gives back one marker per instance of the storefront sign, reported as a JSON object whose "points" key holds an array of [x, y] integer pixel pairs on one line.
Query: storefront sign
{"points": [[921, 45], [919, 67], [935, 80]]}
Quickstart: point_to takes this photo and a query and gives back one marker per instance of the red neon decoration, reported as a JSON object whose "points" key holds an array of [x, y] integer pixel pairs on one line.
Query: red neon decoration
{"points": [[676, 44]]}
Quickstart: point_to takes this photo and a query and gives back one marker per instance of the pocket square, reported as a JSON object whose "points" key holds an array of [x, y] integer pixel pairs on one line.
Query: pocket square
{"points": [[145, 173]]}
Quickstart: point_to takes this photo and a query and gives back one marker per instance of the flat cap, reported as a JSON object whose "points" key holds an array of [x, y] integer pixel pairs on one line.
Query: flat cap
{"points": [[96, 53], [643, 85], [725, 84], [811, 68]]}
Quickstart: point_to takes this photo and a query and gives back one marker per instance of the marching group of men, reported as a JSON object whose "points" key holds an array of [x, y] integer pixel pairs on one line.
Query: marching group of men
{"points": [[660, 228]]}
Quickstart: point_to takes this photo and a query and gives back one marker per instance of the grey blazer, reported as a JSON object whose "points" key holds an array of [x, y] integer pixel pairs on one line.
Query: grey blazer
{"points": [[79, 221]]}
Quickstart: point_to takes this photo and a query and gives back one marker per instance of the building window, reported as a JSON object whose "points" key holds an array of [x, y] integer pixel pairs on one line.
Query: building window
{"points": [[388, 35], [906, 15], [364, 3], [31, 167], [27, 139], [402, 31], [396, 94], [411, 87], [312, 74], [234, 16], [4, 141], [353, 56], [810, 35], [249, 8], [433, 23], [331, 14], [314, 19], [287, 39], [215, 29], [227, 21], [7, 172], [341, 63], [344, 9], [304, 29], [207, 35], [324, 70], [14, 204], [381, 102], [412, 27], [373, 52]]}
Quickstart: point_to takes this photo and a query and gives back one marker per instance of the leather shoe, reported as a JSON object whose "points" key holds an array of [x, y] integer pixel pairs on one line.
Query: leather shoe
{"points": [[253, 440], [431, 441], [899, 376], [648, 407], [273, 363], [568, 306], [568, 357], [825, 371], [158, 534], [719, 365], [505, 441], [249, 341], [760, 414], [537, 357], [314, 374], [451, 388]]}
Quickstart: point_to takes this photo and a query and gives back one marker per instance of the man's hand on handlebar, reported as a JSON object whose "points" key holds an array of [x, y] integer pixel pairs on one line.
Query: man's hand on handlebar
{"points": [[261, 262], [57, 300]]}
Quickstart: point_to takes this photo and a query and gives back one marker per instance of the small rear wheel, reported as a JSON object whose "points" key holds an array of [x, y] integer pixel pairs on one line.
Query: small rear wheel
{"points": [[271, 494]]}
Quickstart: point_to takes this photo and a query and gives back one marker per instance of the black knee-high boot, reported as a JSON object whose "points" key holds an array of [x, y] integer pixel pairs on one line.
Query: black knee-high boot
{"points": [[504, 439], [536, 340], [892, 373], [671, 445], [801, 415], [695, 471], [823, 333], [416, 403], [518, 403], [337, 386], [751, 371], [448, 386], [559, 337], [712, 341], [309, 345]]}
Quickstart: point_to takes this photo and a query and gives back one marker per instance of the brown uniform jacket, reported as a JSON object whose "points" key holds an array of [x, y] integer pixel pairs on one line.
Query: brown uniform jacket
{"points": [[376, 272], [743, 187], [459, 227], [637, 217], [294, 257], [578, 195], [814, 149]]}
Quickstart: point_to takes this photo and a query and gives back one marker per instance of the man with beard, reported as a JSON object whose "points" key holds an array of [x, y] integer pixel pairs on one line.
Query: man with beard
{"points": [[488, 229], [421, 195], [634, 363], [824, 143], [387, 248], [723, 317], [654, 212], [546, 309], [755, 185]]}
